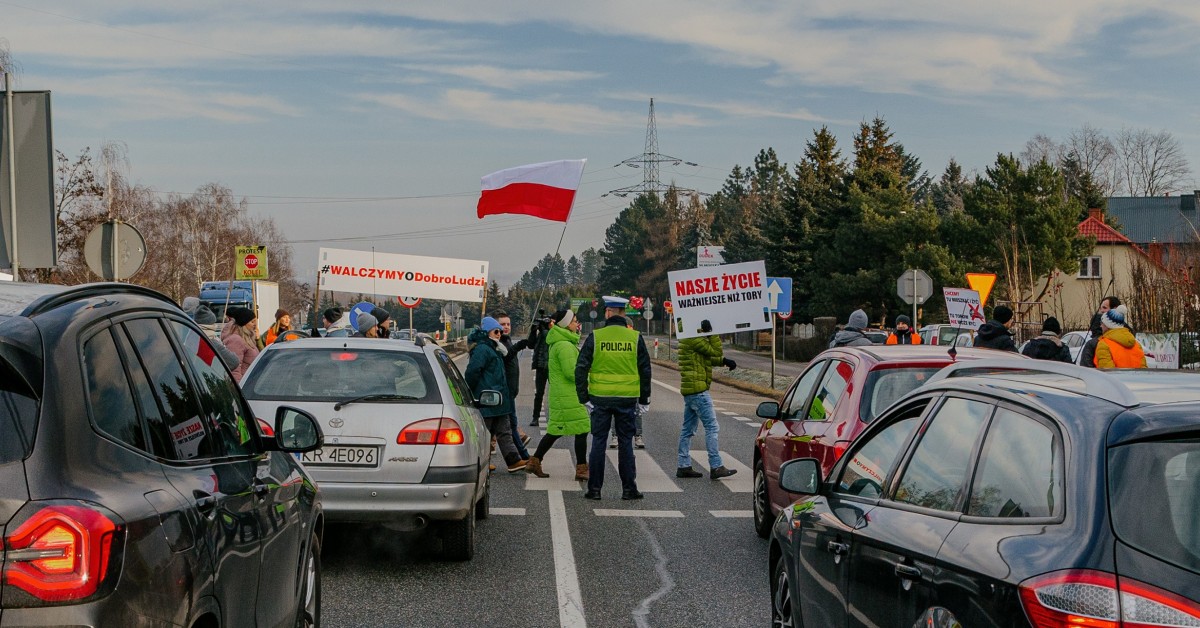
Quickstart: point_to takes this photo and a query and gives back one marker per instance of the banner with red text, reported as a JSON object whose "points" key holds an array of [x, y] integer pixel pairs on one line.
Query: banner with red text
{"points": [[395, 275], [731, 297]]}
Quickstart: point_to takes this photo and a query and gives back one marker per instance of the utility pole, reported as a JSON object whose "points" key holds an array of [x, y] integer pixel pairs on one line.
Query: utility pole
{"points": [[12, 173]]}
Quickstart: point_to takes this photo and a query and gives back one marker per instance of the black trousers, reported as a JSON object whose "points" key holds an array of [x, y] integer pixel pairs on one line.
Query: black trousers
{"points": [[539, 390], [549, 439]]}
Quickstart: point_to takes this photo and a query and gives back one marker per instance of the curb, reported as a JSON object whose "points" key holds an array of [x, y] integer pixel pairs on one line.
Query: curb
{"points": [[730, 382]]}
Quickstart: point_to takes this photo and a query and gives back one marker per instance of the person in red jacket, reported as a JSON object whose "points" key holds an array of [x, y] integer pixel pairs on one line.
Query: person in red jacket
{"points": [[904, 334]]}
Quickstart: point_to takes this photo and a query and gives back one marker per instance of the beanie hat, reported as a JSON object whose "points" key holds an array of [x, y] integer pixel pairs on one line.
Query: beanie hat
{"points": [[381, 314], [190, 305], [904, 319], [333, 314], [563, 318], [858, 320], [1002, 313], [1052, 325], [280, 313], [1115, 317], [240, 315], [204, 316], [488, 324], [365, 322]]}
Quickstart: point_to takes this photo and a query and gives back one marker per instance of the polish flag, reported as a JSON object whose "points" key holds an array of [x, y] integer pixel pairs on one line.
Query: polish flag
{"points": [[545, 190]]}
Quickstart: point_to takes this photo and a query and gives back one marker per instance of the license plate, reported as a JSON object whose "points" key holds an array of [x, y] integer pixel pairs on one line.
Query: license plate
{"points": [[342, 456]]}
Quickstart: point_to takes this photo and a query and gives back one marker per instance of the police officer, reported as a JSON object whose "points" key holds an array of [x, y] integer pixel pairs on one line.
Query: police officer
{"points": [[612, 379]]}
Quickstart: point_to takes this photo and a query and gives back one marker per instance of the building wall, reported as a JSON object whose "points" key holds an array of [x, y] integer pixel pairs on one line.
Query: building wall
{"points": [[1073, 300]]}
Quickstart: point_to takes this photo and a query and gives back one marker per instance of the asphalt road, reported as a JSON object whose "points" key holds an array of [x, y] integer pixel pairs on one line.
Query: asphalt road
{"points": [[686, 555], [760, 361]]}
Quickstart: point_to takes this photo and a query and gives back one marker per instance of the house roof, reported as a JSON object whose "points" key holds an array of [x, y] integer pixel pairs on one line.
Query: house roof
{"points": [[1166, 219], [1104, 234]]}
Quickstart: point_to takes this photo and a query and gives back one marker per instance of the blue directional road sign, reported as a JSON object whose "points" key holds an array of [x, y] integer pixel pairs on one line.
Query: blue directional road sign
{"points": [[779, 293], [361, 308]]}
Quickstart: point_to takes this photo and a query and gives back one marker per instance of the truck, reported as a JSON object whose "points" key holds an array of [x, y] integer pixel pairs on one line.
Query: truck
{"points": [[260, 296]]}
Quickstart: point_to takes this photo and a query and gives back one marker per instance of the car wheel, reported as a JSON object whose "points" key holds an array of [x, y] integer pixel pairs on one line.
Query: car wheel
{"points": [[483, 507], [781, 597], [309, 613], [762, 502], [458, 537]]}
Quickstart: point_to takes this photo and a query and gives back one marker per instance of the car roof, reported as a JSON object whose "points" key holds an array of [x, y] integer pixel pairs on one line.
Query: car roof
{"points": [[923, 353], [385, 344], [31, 299]]}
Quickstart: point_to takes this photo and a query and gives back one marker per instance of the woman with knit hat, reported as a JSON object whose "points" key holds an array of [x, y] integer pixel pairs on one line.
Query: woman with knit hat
{"points": [[283, 322], [1118, 348], [239, 337], [568, 417]]}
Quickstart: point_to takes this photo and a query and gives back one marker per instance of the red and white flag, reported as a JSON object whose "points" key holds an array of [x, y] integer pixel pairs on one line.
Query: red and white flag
{"points": [[545, 190]]}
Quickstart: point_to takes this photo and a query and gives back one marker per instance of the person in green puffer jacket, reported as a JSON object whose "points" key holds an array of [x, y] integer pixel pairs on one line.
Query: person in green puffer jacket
{"points": [[567, 416], [697, 357]]}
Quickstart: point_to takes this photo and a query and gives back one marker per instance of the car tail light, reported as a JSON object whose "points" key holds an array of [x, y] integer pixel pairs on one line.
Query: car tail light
{"points": [[62, 553], [442, 431], [1098, 599]]}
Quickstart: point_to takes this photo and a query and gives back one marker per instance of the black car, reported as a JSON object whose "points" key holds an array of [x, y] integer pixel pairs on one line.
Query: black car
{"points": [[1003, 494], [136, 487]]}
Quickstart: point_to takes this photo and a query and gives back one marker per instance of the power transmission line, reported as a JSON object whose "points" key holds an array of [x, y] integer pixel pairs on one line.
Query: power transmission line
{"points": [[649, 161]]}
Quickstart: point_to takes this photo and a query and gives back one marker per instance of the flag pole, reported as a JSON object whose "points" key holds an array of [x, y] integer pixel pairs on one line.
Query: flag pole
{"points": [[546, 275]]}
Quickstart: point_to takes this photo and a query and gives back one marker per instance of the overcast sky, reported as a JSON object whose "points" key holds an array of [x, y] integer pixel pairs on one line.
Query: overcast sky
{"points": [[378, 120]]}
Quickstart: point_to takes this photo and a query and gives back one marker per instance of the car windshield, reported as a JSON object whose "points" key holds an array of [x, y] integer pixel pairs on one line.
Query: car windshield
{"points": [[1155, 494], [886, 385], [313, 374]]}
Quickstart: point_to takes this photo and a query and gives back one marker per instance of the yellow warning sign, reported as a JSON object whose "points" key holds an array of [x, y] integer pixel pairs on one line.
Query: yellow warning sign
{"points": [[982, 283]]}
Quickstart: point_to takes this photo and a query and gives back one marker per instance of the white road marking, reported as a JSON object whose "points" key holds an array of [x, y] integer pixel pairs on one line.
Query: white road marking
{"points": [[560, 464], [728, 413], [612, 512], [667, 386], [570, 599], [515, 512], [743, 482], [742, 418], [732, 514], [650, 477]]}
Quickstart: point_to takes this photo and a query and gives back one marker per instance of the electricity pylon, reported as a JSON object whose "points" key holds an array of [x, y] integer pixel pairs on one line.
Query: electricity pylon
{"points": [[648, 162]]}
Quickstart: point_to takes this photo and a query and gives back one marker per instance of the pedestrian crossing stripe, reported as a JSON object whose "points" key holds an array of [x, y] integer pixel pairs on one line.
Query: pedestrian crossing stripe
{"points": [[743, 482], [650, 477], [514, 512], [728, 413], [662, 514], [732, 514]]}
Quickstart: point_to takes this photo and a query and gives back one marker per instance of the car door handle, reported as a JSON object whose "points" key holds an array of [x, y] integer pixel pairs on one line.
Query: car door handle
{"points": [[908, 572], [837, 548]]}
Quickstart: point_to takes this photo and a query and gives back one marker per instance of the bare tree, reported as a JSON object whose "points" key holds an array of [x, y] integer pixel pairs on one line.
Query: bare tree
{"points": [[1041, 147], [1149, 163], [1095, 155]]}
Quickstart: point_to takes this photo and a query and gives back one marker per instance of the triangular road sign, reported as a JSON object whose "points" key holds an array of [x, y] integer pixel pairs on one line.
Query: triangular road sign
{"points": [[982, 283]]}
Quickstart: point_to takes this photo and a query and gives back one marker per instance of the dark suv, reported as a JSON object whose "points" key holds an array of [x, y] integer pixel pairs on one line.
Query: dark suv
{"points": [[1003, 493], [136, 487]]}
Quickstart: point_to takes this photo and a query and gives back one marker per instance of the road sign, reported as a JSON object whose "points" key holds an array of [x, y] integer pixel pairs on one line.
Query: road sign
{"points": [[982, 283], [914, 286], [114, 250], [667, 307], [361, 308], [452, 310], [779, 293], [592, 314], [647, 313], [784, 315], [409, 302]]}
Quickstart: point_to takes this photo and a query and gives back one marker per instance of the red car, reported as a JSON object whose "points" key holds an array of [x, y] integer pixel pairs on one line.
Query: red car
{"points": [[829, 404]]}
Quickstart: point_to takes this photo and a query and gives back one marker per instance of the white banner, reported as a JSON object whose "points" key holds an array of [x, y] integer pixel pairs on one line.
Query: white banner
{"points": [[732, 297], [964, 308], [709, 256], [396, 275], [1162, 350]]}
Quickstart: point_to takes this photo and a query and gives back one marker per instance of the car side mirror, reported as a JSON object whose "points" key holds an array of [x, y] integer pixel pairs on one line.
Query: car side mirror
{"points": [[296, 431], [767, 410], [489, 399], [801, 476]]}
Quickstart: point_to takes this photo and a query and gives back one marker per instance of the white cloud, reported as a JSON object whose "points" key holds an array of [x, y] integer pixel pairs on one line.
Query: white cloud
{"points": [[508, 78], [489, 110]]}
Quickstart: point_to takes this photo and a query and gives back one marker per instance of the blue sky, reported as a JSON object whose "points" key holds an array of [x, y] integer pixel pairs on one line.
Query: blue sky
{"points": [[378, 120]]}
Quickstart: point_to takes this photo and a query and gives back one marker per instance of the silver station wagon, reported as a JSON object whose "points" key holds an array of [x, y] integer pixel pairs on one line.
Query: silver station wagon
{"points": [[405, 445]]}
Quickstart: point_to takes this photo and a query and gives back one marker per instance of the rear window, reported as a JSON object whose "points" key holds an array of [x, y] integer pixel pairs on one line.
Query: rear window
{"points": [[886, 385], [18, 419], [340, 374], [1154, 496]]}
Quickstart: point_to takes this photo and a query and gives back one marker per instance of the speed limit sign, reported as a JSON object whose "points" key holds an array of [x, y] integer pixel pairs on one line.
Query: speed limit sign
{"points": [[409, 302]]}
